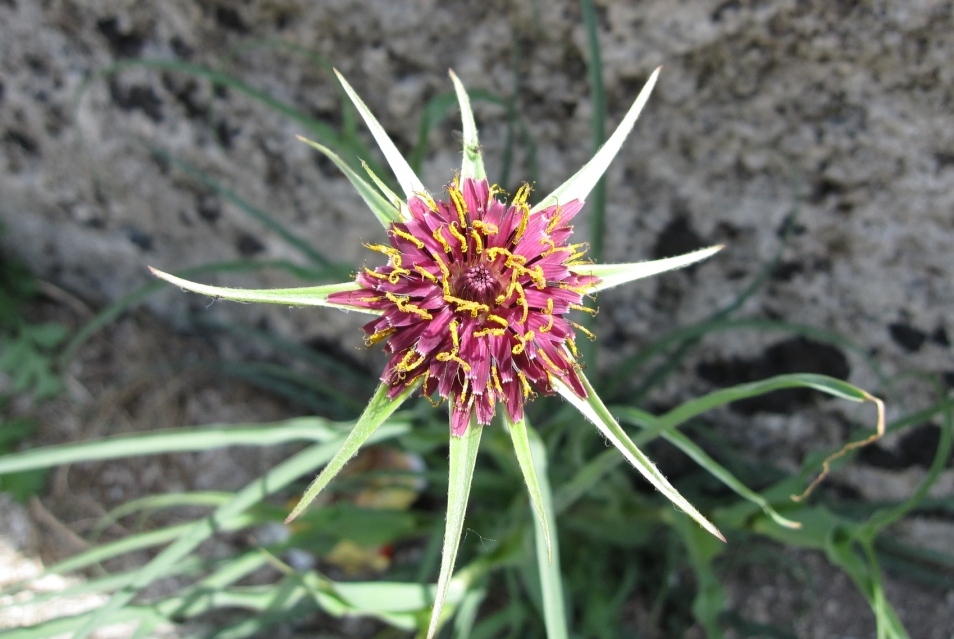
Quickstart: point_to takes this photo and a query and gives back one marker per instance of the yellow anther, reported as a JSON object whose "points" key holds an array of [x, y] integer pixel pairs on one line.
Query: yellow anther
{"points": [[523, 193], [527, 390], [375, 274], [549, 362], [379, 336], [475, 308], [452, 357], [458, 199], [452, 227], [440, 238], [478, 241], [445, 275], [536, 274], [495, 379], [551, 225], [584, 330], [524, 220], [500, 320], [548, 242], [579, 250], [427, 275], [585, 309], [455, 339], [404, 305], [485, 227], [407, 236], [572, 345], [431, 204], [371, 300], [406, 365], [390, 251], [495, 190], [522, 346], [395, 276], [483, 332], [548, 311], [522, 301]]}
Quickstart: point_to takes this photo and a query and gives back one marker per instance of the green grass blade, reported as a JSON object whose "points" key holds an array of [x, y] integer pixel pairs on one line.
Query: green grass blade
{"points": [[312, 429], [463, 456], [406, 177], [683, 443], [547, 543], [616, 274], [270, 483], [379, 409], [300, 296], [386, 212], [583, 181], [521, 447], [594, 410], [472, 164]]}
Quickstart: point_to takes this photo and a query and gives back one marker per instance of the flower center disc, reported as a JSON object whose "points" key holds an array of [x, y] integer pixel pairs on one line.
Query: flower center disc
{"points": [[478, 284]]}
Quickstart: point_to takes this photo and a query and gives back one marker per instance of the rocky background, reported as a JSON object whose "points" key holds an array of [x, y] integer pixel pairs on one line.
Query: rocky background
{"points": [[833, 115]]}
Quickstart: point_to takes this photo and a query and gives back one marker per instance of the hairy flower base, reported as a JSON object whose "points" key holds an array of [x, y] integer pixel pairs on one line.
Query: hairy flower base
{"points": [[473, 300]]}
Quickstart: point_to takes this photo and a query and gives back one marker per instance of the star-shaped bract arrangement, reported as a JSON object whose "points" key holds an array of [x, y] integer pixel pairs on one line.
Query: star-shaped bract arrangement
{"points": [[472, 307]]}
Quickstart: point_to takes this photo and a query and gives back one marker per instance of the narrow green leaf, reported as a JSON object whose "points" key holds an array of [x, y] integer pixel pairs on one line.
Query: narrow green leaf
{"points": [[551, 577], [402, 170], [390, 195], [683, 443], [583, 181], [594, 410], [379, 409], [253, 493], [472, 165], [615, 274], [521, 447], [463, 456], [302, 296], [172, 440], [385, 211]]}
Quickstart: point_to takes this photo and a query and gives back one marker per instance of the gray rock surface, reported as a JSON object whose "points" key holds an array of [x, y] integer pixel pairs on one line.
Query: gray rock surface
{"points": [[838, 111]]}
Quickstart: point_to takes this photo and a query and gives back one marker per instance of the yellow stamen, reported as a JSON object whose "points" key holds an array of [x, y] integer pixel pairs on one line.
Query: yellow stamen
{"points": [[478, 242], [496, 382], [485, 227], [551, 225], [452, 227], [522, 346], [483, 332], [583, 330], [406, 365], [427, 275], [458, 199], [404, 305], [585, 309], [440, 238], [375, 274], [395, 276], [499, 320], [431, 204], [475, 308], [379, 336], [572, 345], [548, 311], [527, 390], [407, 236]]}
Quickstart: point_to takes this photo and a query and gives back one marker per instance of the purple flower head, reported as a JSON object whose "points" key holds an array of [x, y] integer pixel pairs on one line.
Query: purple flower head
{"points": [[473, 300]]}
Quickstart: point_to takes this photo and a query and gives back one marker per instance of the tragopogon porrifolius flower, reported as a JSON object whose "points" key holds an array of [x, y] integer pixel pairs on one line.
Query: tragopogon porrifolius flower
{"points": [[473, 306]]}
